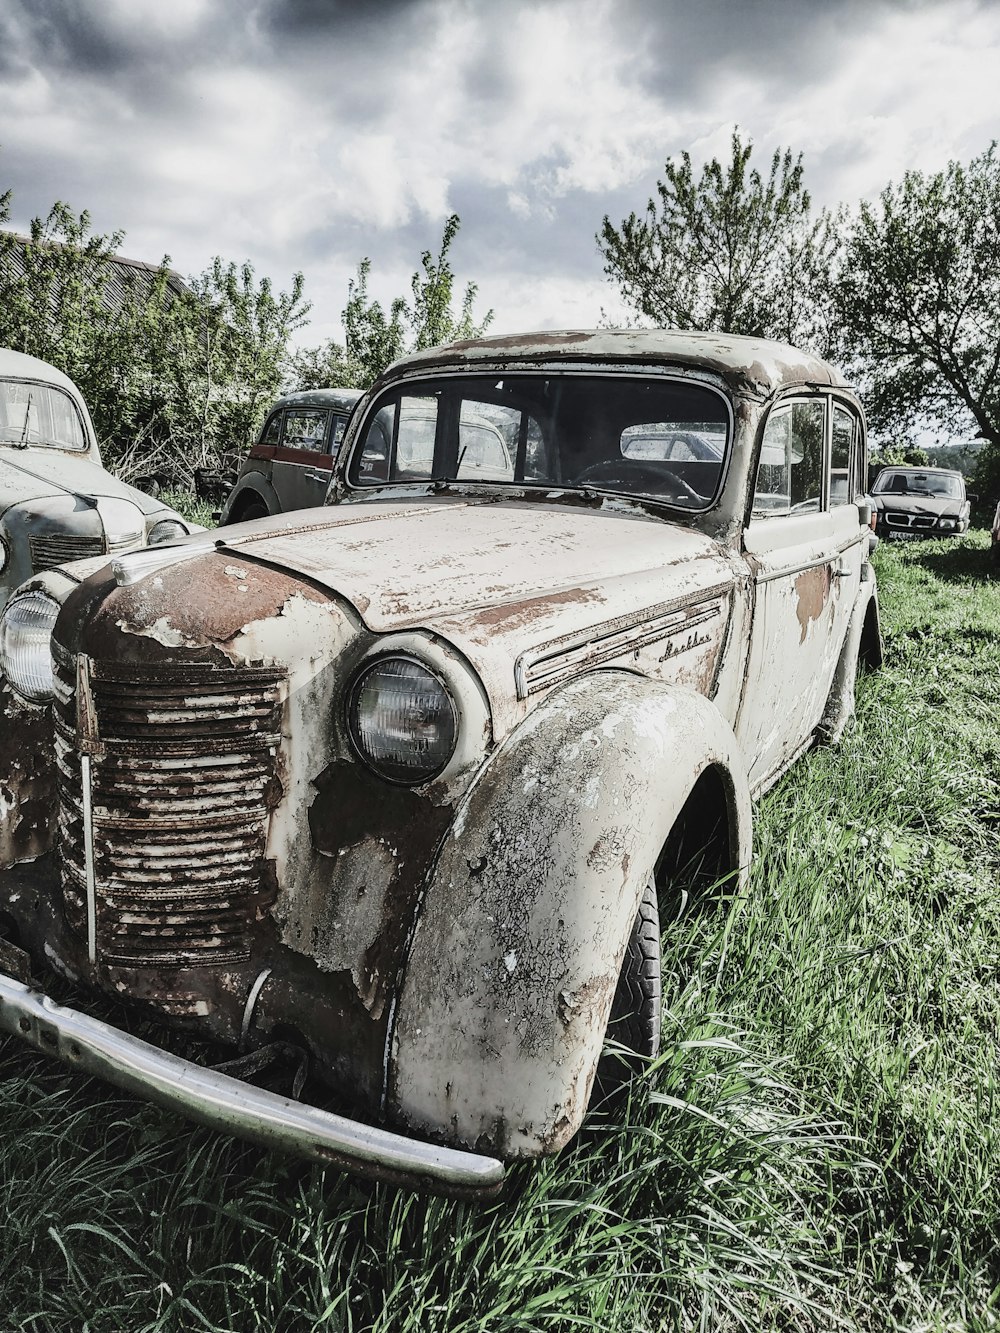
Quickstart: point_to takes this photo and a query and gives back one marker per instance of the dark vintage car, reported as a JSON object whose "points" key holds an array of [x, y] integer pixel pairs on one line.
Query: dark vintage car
{"points": [[57, 502], [405, 780], [916, 502], [290, 465]]}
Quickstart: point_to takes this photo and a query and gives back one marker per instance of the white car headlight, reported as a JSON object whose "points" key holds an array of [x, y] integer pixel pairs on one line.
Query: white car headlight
{"points": [[947, 523], [4, 555], [402, 720], [167, 530], [25, 636]]}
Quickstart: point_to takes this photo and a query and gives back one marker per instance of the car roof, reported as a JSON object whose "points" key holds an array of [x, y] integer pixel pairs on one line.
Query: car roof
{"points": [[754, 365], [333, 397], [20, 366]]}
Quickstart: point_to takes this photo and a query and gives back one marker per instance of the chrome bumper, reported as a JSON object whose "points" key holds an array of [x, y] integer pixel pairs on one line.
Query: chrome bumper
{"points": [[234, 1107]]}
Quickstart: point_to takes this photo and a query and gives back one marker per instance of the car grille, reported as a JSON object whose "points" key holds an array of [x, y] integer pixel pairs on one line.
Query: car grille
{"points": [[182, 782], [912, 521], [59, 548]]}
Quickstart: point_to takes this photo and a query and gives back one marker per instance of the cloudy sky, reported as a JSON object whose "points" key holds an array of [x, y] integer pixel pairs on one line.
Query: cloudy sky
{"points": [[305, 134]]}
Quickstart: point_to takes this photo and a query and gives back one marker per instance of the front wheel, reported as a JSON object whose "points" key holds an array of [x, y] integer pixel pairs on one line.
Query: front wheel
{"points": [[635, 1011]]}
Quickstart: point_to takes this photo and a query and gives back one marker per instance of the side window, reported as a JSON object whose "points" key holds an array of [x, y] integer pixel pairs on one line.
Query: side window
{"points": [[844, 457], [305, 428], [374, 464], [337, 433], [272, 431], [790, 472]]}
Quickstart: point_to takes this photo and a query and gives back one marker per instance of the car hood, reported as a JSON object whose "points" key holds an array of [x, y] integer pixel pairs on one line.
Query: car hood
{"points": [[34, 474], [497, 579], [939, 505]]}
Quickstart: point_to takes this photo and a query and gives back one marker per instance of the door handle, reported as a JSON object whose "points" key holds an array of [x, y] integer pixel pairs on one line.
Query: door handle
{"points": [[314, 475]]}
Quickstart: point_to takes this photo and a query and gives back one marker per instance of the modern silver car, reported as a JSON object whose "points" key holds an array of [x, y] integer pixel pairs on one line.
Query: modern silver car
{"points": [[57, 502]]}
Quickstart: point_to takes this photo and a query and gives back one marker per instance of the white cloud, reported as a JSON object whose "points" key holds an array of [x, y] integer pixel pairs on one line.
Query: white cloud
{"points": [[200, 131]]}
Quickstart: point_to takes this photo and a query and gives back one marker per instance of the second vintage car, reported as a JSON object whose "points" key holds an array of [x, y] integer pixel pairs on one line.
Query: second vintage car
{"points": [[57, 502], [290, 465], [406, 781]]}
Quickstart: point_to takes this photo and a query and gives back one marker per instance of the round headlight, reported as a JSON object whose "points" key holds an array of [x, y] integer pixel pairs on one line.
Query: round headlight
{"points": [[402, 721], [167, 530], [4, 555], [25, 636]]}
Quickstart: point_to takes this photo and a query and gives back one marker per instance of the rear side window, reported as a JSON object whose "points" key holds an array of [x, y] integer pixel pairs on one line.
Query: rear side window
{"points": [[844, 467], [305, 428]]}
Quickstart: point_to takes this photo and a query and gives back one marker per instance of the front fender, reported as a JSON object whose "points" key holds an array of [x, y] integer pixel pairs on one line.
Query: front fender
{"points": [[514, 961]]}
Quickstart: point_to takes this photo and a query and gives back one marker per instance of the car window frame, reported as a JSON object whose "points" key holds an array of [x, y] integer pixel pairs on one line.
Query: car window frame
{"points": [[831, 400]]}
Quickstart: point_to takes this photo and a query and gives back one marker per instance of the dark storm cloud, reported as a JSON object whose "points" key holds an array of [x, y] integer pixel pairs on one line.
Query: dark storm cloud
{"points": [[688, 46], [318, 18]]}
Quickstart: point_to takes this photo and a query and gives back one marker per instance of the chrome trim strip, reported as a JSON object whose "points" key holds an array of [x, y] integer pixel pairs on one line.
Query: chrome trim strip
{"points": [[88, 857], [233, 1107], [538, 667]]}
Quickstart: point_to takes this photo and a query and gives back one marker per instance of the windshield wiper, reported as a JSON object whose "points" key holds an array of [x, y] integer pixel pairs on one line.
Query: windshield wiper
{"points": [[23, 442]]}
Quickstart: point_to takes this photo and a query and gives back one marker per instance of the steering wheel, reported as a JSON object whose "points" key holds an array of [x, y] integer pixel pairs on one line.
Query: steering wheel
{"points": [[626, 472]]}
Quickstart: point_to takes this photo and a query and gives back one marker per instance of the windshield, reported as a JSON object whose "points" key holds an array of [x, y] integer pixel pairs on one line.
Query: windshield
{"points": [[39, 414], [665, 439], [919, 483]]}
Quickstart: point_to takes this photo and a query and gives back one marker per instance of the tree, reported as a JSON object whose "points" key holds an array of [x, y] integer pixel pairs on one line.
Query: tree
{"points": [[173, 380], [228, 353], [919, 300], [375, 337], [729, 251]]}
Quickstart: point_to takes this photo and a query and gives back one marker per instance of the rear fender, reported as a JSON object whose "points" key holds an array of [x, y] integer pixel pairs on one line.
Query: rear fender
{"points": [[514, 961], [862, 645], [252, 487]]}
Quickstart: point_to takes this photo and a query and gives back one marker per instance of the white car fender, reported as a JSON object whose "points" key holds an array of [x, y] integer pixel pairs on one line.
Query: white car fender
{"points": [[514, 960]]}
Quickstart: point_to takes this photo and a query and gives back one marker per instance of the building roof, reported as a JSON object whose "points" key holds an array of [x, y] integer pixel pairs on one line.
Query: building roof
{"points": [[120, 275]]}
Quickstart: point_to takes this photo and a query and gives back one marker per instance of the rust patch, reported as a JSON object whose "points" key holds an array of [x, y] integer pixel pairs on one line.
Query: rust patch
{"points": [[28, 806], [517, 615], [164, 623], [812, 589], [352, 806]]}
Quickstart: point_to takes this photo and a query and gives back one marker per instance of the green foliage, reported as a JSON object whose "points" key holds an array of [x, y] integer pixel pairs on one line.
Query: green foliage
{"points": [[173, 380], [730, 251], [374, 337], [919, 300], [228, 344]]}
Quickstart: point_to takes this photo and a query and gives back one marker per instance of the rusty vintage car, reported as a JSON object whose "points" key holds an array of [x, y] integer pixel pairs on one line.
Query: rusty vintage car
{"points": [[57, 502], [401, 780]]}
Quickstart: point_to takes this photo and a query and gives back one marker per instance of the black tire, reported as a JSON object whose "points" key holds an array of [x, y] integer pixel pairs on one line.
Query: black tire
{"points": [[635, 1011], [256, 509]]}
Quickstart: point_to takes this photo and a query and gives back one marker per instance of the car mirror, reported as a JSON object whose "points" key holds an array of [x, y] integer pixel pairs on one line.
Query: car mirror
{"points": [[972, 497], [865, 513]]}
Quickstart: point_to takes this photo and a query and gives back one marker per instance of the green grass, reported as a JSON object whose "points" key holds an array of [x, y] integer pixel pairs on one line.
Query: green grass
{"points": [[817, 1146], [190, 507]]}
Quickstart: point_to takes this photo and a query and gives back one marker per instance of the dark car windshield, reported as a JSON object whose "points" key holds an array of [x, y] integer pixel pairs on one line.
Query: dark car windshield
{"points": [[919, 483], [38, 414], [666, 439]]}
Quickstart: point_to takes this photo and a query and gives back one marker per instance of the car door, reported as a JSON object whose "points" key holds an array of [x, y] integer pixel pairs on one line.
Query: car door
{"points": [[805, 546], [303, 461]]}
